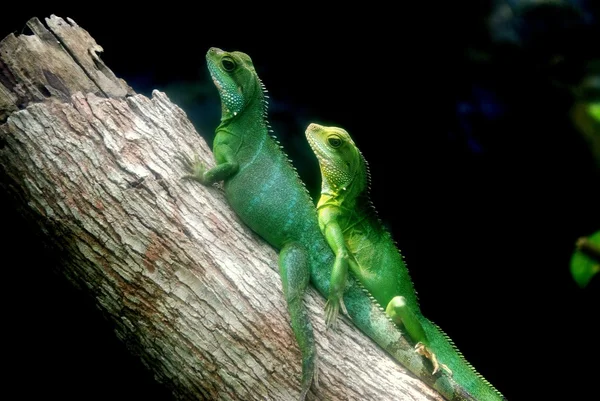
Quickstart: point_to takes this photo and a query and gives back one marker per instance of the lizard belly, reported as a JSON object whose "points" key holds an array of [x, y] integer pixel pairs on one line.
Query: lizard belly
{"points": [[382, 271]]}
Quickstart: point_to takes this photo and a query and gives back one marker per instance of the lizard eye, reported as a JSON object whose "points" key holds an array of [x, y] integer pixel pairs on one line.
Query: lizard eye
{"points": [[334, 141], [228, 64]]}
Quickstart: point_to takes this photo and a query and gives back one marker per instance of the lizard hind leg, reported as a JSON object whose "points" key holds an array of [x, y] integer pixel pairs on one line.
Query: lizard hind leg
{"points": [[401, 314], [294, 272]]}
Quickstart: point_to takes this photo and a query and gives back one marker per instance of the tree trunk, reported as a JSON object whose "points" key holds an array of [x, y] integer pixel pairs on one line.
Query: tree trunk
{"points": [[194, 293]]}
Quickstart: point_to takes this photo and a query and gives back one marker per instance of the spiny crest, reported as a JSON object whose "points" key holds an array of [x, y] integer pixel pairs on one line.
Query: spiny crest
{"points": [[265, 98], [463, 360], [287, 158], [370, 206], [444, 335], [271, 133], [372, 298], [367, 171], [367, 191]]}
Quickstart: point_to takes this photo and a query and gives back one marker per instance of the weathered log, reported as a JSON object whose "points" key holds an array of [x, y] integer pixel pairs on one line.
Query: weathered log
{"points": [[194, 293]]}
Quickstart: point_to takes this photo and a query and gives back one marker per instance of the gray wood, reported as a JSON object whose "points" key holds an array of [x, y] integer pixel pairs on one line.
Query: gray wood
{"points": [[52, 64], [194, 293]]}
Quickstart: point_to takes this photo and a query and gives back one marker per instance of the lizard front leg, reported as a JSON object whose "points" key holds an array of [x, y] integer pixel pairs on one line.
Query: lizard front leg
{"points": [[226, 167], [294, 272], [339, 275]]}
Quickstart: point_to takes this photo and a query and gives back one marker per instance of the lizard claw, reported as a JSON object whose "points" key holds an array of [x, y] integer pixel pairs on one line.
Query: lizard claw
{"points": [[332, 310], [343, 306], [421, 349], [195, 168]]}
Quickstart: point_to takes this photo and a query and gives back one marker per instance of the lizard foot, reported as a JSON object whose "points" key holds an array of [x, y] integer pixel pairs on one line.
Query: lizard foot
{"points": [[332, 310], [421, 349], [194, 167]]}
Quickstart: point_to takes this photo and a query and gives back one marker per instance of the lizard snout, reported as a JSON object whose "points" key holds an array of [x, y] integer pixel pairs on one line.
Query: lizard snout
{"points": [[313, 127]]}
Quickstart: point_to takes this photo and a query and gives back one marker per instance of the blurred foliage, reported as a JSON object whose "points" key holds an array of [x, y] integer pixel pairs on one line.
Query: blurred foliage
{"points": [[594, 109], [585, 262]]}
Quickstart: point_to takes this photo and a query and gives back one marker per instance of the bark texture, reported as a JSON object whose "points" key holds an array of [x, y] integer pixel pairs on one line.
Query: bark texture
{"points": [[194, 293]]}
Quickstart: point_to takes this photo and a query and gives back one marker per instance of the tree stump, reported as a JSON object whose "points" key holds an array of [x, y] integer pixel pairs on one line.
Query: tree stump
{"points": [[194, 293]]}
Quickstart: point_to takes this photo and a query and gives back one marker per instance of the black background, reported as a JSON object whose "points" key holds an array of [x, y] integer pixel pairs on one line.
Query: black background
{"points": [[477, 170]]}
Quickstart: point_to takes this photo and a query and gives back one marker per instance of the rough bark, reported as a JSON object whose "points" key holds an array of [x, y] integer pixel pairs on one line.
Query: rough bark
{"points": [[194, 293]]}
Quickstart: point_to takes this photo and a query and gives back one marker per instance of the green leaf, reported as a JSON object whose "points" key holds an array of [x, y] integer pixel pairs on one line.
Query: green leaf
{"points": [[594, 110], [584, 265]]}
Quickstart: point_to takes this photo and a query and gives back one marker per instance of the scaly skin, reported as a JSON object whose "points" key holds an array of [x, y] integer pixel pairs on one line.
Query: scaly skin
{"points": [[265, 191], [363, 246]]}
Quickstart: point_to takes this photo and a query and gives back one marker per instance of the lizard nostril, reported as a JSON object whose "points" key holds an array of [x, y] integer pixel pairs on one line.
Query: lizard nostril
{"points": [[313, 127]]}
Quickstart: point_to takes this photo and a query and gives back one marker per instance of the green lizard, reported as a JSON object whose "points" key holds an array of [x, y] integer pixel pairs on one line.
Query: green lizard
{"points": [[264, 189], [363, 246]]}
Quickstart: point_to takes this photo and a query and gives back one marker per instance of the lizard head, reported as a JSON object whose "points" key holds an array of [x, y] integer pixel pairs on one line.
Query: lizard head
{"points": [[343, 168], [236, 80]]}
